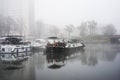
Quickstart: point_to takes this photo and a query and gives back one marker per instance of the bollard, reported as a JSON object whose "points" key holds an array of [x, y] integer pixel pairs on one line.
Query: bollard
{"points": [[26, 51], [17, 52]]}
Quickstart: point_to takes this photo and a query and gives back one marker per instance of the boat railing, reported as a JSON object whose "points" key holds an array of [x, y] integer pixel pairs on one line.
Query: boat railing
{"points": [[17, 51], [15, 55], [56, 44]]}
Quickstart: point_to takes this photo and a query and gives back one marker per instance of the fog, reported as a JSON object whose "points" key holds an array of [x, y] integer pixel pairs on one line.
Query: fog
{"points": [[74, 12], [89, 36], [43, 18]]}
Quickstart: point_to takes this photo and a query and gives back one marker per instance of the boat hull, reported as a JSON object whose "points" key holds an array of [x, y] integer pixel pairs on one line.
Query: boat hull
{"points": [[63, 49]]}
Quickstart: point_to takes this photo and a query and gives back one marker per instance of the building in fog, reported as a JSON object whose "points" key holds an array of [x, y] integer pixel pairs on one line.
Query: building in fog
{"points": [[20, 9]]}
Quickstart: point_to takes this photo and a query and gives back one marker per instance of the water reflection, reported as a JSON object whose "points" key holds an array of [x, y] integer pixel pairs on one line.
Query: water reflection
{"points": [[55, 60], [95, 53], [90, 56], [96, 61]]}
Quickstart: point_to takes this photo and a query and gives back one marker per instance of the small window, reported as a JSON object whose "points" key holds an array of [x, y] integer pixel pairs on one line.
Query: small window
{"points": [[3, 49]]}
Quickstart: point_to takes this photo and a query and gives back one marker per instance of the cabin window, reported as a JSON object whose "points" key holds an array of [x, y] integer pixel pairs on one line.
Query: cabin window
{"points": [[3, 56], [3, 49]]}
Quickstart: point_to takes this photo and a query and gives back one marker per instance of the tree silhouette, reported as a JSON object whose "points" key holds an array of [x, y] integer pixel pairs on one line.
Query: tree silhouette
{"points": [[69, 29], [109, 30]]}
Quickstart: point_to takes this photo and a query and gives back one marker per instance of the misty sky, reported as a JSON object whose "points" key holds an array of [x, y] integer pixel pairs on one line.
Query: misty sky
{"points": [[63, 12]]}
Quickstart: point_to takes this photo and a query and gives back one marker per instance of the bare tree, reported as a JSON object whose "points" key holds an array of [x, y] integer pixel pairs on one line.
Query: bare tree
{"points": [[69, 29], [54, 30], [92, 27], [2, 27], [109, 30], [8, 24], [39, 28], [83, 29], [19, 25]]}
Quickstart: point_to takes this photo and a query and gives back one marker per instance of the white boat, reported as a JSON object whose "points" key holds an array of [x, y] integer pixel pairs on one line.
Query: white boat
{"points": [[13, 44], [12, 48], [38, 44]]}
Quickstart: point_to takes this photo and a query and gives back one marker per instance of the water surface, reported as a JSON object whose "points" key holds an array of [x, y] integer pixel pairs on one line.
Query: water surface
{"points": [[97, 61]]}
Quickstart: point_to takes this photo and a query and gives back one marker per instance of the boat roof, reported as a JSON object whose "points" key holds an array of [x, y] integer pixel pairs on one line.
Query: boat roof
{"points": [[12, 36], [53, 37]]}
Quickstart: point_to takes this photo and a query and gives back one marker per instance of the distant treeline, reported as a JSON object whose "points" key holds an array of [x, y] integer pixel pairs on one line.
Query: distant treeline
{"points": [[9, 25], [86, 30]]}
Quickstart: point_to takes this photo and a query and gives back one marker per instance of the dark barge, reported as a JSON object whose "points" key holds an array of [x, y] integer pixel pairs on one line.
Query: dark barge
{"points": [[56, 45]]}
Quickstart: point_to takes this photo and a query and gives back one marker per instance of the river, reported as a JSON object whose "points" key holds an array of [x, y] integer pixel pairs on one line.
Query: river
{"points": [[95, 62]]}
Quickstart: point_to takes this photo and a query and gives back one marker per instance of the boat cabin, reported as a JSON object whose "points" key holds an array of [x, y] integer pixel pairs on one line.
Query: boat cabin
{"points": [[55, 42], [11, 40]]}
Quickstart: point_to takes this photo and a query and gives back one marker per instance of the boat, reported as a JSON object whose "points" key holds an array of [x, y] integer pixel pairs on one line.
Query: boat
{"points": [[13, 49], [13, 44], [38, 45], [56, 44]]}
